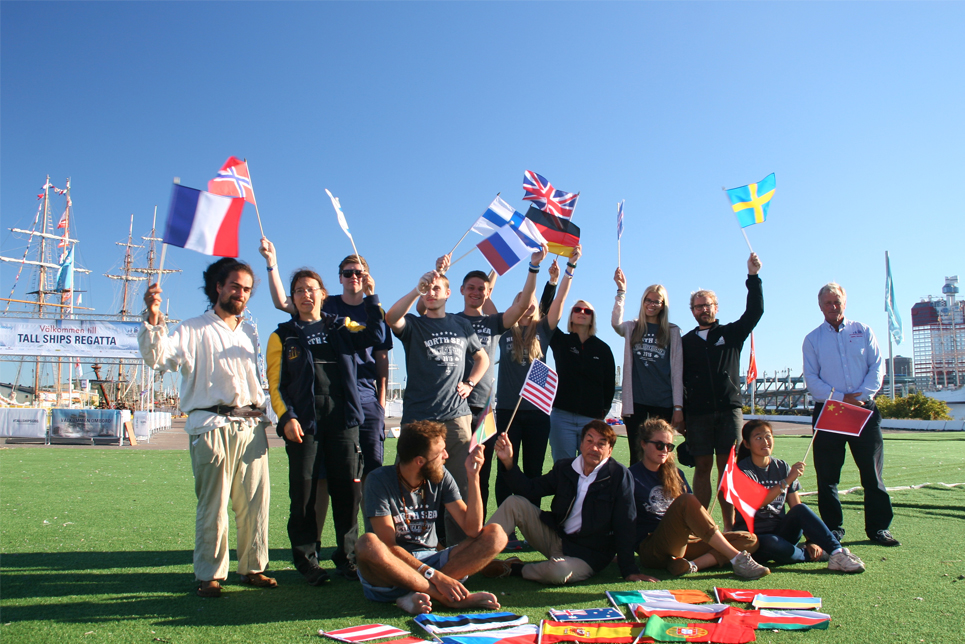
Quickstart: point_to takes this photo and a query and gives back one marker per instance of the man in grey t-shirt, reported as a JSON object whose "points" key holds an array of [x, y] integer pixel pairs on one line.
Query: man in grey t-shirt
{"points": [[397, 557], [436, 347]]}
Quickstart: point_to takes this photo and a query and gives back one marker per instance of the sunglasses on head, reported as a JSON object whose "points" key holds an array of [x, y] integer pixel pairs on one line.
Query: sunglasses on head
{"points": [[348, 272], [661, 446], [582, 309]]}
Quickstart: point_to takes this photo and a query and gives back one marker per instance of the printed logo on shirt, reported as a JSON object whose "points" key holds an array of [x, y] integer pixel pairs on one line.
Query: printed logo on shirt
{"points": [[658, 502], [294, 352], [720, 342], [447, 349], [647, 350], [414, 521], [574, 350], [484, 333]]}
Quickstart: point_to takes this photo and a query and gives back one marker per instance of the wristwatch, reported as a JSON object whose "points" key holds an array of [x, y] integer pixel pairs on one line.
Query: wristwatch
{"points": [[469, 382], [429, 573]]}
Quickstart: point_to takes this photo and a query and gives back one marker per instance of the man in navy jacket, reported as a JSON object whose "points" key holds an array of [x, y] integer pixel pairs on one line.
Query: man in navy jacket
{"points": [[592, 516]]}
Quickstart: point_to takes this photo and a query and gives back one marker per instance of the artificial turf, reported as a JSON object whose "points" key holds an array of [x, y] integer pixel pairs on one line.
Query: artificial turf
{"points": [[96, 547]]}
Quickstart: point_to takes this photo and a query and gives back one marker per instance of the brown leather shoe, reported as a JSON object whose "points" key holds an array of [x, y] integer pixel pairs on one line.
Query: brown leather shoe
{"points": [[258, 580], [209, 591], [497, 568]]}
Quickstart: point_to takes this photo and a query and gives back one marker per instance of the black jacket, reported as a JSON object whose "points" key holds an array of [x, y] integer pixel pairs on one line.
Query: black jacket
{"points": [[609, 512], [712, 366], [291, 369]]}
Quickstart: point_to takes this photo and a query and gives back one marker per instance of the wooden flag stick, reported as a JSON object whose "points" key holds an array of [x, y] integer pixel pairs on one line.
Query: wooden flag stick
{"points": [[453, 263], [466, 233], [738, 223], [618, 252], [258, 214], [160, 268], [814, 430], [720, 483], [509, 424]]}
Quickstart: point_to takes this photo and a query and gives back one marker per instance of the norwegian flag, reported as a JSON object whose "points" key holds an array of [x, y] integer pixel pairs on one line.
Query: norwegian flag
{"points": [[745, 494], [540, 386], [546, 197], [233, 180]]}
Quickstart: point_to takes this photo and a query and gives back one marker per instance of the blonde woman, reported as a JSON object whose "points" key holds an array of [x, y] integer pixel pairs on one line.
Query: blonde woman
{"points": [[653, 374]]}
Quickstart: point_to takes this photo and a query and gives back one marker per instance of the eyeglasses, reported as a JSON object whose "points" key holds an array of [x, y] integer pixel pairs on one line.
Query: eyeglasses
{"points": [[660, 445], [703, 307], [582, 309], [348, 273], [652, 302], [310, 292]]}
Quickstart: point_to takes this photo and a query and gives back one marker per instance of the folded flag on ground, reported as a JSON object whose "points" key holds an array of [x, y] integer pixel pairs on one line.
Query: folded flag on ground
{"points": [[722, 633], [678, 609], [637, 596], [592, 633], [525, 634], [748, 594], [586, 615], [785, 620], [787, 603], [365, 633], [460, 623]]}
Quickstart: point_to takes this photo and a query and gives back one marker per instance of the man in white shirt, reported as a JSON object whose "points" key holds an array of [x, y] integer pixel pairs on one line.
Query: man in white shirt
{"points": [[222, 394], [592, 516], [842, 362]]}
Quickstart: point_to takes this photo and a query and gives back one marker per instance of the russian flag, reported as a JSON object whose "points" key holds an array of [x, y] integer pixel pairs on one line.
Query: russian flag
{"points": [[503, 249], [204, 222]]}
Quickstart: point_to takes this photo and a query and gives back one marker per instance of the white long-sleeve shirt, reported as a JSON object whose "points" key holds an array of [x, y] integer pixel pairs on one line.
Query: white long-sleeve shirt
{"points": [[218, 365]]}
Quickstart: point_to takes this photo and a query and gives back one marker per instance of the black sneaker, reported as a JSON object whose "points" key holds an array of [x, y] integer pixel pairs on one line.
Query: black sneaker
{"points": [[884, 538], [838, 534], [347, 571], [316, 576]]}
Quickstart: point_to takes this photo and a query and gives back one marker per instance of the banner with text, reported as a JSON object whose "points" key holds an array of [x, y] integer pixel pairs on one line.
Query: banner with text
{"points": [[85, 423], [23, 423], [69, 338]]}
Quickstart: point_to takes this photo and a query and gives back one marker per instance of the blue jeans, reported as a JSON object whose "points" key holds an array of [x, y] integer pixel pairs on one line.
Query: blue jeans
{"points": [[565, 430], [781, 545]]}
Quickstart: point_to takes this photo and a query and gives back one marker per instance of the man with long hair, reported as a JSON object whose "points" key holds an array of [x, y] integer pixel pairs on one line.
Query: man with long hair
{"points": [[222, 393]]}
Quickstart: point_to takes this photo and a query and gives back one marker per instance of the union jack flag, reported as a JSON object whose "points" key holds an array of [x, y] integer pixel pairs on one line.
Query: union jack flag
{"points": [[546, 197], [233, 180], [540, 386]]}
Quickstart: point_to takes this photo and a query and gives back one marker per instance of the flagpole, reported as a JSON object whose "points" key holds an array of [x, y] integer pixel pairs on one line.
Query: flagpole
{"points": [[720, 482], [738, 223], [466, 233], [258, 214], [891, 357], [539, 633], [618, 252], [160, 268], [451, 264], [518, 402], [814, 430]]}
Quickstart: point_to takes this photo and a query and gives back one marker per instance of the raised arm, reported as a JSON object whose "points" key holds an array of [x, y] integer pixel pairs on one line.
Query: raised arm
{"points": [[278, 296], [469, 515], [556, 308], [395, 317], [616, 318], [159, 350], [513, 313]]}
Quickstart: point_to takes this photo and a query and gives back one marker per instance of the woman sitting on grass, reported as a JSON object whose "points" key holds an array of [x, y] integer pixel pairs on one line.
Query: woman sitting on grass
{"points": [[778, 532], [673, 529]]}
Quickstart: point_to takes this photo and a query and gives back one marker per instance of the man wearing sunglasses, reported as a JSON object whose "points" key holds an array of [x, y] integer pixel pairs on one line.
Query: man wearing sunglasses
{"points": [[712, 396]]}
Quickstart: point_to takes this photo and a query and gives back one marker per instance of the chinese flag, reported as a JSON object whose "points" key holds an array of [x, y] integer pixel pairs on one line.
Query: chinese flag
{"points": [[841, 418]]}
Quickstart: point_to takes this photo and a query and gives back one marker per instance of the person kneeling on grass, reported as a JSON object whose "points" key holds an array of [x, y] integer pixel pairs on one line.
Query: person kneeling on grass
{"points": [[673, 529], [591, 516], [397, 557], [778, 532]]}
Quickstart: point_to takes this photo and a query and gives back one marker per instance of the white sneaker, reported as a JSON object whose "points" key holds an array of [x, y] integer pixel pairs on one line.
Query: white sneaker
{"points": [[844, 561], [746, 568]]}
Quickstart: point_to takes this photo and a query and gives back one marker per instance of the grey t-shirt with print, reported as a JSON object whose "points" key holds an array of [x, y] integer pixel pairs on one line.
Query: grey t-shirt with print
{"points": [[413, 513], [488, 329], [651, 371]]}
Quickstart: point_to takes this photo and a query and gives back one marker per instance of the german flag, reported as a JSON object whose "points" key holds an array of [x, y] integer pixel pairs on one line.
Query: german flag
{"points": [[561, 234]]}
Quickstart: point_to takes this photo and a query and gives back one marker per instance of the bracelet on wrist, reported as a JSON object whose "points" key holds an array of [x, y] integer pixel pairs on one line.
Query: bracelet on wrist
{"points": [[571, 264], [533, 270], [568, 273], [271, 268], [620, 291], [532, 265]]}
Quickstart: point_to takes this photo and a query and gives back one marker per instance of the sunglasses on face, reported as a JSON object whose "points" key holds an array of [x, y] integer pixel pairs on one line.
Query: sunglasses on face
{"points": [[661, 446], [650, 302], [348, 273], [582, 309]]}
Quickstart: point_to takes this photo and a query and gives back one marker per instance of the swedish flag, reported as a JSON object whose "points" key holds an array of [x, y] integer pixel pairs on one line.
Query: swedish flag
{"points": [[752, 201]]}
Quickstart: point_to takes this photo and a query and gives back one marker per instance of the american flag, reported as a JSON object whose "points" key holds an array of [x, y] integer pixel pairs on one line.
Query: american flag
{"points": [[540, 386], [620, 220], [233, 180], [546, 197]]}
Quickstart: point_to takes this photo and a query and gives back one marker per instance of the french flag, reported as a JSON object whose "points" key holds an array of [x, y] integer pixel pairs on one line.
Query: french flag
{"points": [[204, 222]]}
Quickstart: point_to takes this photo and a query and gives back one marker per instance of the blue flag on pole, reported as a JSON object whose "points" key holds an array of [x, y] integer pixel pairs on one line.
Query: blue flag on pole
{"points": [[620, 220], [65, 274], [894, 320], [751, 202]]}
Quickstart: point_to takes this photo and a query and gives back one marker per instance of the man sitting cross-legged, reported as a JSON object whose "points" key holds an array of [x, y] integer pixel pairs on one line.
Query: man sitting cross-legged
{"points": [[592, 515], [397, 557]]}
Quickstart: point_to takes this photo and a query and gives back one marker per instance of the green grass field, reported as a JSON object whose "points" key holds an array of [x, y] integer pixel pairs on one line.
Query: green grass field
{"points": [[96, 547]]}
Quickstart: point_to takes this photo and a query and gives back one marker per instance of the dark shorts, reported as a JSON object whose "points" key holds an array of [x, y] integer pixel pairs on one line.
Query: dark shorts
{"points": [[713, 433]]}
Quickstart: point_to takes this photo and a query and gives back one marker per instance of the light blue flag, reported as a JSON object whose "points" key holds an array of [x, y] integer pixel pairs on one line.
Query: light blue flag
{"points": [[894, 320], [751, 202], [65, 274]]}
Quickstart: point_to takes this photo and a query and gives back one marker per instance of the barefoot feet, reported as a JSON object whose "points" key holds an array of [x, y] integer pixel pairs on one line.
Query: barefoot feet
{"points": [[416, 603]]}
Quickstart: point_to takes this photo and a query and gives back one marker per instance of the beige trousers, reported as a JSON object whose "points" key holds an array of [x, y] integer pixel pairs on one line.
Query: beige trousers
{"points": [[518, 512], [458, 433], [230, 463]]}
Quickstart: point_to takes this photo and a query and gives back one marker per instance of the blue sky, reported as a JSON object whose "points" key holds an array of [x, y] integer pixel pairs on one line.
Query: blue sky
{"points": [[416, 114]]}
